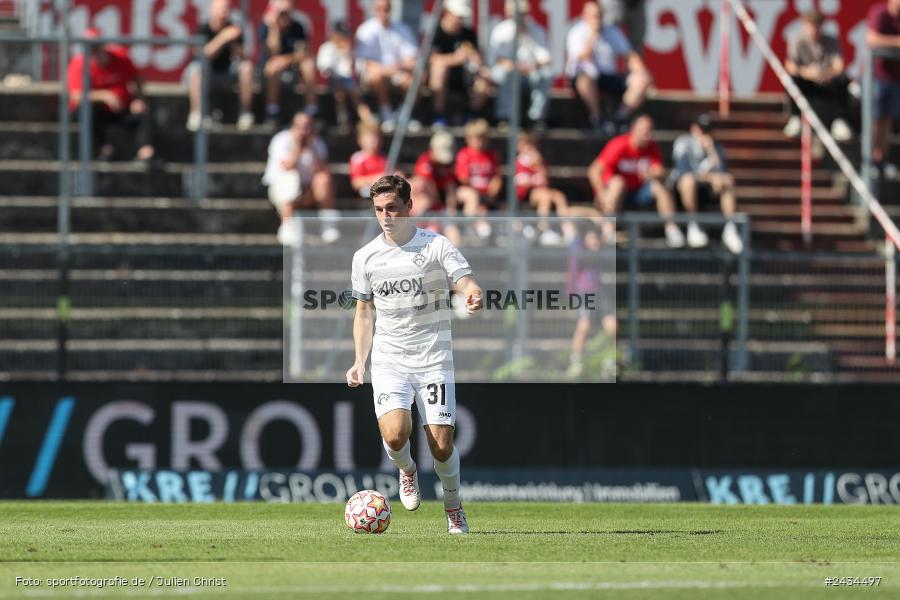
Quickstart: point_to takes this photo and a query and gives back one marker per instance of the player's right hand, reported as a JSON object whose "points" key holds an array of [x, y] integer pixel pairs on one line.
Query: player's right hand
{"points": [[356, 375]]}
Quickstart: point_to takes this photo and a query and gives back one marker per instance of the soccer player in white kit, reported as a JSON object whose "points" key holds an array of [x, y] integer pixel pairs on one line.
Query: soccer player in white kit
{"points": [[405, 275]]}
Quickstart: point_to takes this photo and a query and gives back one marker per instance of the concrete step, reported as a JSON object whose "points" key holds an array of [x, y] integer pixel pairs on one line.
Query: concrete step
{"points": [[38, 102]]}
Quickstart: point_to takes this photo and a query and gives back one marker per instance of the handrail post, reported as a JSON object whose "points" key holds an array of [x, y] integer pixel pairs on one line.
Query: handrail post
{"points": [[64, 180], [85, 141], [743, 299], [512, 201], [198, 191], [866, 137], [806, 182], [725, 60], [634, 302], [890, 319]]}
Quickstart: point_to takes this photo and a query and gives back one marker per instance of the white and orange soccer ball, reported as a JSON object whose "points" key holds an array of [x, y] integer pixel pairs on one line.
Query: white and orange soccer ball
{"points": [[367, 511]]}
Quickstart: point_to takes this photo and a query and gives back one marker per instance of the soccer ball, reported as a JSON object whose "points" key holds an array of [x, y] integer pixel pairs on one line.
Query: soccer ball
{"points": [[367, 511]]}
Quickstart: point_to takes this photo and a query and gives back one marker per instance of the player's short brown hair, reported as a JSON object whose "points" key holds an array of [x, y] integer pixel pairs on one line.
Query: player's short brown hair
{"points": [[391, 184]]}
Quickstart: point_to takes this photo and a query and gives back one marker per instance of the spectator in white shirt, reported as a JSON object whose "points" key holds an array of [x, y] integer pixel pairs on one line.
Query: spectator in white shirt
{"points": [[594, 50], [386, 55], [532, 61], [335, 64], [298, 178]]}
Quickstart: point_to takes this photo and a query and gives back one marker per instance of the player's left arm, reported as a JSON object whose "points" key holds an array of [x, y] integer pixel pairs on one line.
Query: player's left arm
{"points": [[469, 288]]}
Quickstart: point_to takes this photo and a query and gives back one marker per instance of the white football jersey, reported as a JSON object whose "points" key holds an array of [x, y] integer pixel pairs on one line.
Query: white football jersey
{"points": [[410, 286]]}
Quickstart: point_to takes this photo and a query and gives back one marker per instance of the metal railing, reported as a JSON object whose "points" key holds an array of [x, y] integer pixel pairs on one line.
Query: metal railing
{"points": [[85, 141], [863, 189]]}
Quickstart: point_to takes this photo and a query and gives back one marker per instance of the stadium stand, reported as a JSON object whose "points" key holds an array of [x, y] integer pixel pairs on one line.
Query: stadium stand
{"points": [[165, 288]]}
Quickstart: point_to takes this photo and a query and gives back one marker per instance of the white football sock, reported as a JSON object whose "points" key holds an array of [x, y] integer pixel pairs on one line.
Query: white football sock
{"points": [[449, 474], [401, 458]]}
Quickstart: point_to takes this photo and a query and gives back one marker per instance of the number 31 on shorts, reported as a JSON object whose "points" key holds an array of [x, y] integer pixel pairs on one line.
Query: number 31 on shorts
{"points": [[436, 393]]}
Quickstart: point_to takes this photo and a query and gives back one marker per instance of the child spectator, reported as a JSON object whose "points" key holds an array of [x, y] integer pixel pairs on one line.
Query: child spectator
{"points": [[532, 187], [367, 164], [285, 52], [434, 181], [478, 172], [585, 277], [224, 50], [335, 64]]}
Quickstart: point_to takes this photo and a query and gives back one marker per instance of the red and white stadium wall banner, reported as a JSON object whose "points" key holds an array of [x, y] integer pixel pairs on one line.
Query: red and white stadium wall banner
{"points": [[681, 44]]}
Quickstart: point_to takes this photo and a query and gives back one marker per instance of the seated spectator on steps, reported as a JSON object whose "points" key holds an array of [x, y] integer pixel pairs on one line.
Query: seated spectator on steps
{"points": [[593, 51], [532, 60], [884, 32], [629, 171], [386, 55], [335, 64], [285, 55], [700, 169], [533, 188], [478, 173], [298, 179], [115, 96], [455, 65], [224, 52], [815, 62], [434, 181], [367, 164]]}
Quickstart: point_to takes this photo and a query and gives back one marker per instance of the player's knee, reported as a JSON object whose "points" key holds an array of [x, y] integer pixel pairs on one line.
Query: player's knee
{"points": [[442, 450], [394, 439]]}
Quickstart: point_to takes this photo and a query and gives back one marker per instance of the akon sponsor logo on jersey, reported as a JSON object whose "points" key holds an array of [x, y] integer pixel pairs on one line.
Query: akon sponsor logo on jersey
{"points": [[414, 285]]}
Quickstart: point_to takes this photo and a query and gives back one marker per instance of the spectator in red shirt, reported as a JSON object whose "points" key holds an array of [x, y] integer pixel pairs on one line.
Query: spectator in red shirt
{"points": [[884, 32], [629, 170], [434, 177], [532, 186], [367, 164], [115, 96], [478, 172]]}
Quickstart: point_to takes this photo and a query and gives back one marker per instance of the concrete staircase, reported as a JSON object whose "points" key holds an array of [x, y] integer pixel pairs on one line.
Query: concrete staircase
{"points": [[161, 287]]}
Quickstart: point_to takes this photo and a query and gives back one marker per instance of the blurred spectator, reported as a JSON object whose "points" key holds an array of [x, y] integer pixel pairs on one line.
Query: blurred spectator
{"points": [[367, 164], [532, 186], [335, 64], [815, 62], [478, 173], [593, 53], [386, 55], [285, 55], [224, 50], [884, 32], [585, 277], [115, 96], [298, 178], [532, 60], [434, 181], [630, 171], [455, 63], [700, 170], [631, 17]]}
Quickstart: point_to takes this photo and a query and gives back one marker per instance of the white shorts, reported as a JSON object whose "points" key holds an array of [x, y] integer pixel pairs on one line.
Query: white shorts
{"points": [[434, 392]]}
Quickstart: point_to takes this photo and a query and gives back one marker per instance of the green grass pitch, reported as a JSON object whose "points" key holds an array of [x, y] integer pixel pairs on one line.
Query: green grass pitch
{"points": [[514, 551]]}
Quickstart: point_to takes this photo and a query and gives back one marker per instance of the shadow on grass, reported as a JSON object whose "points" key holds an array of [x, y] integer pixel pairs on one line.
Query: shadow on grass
{"points": [[611, 532]]}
